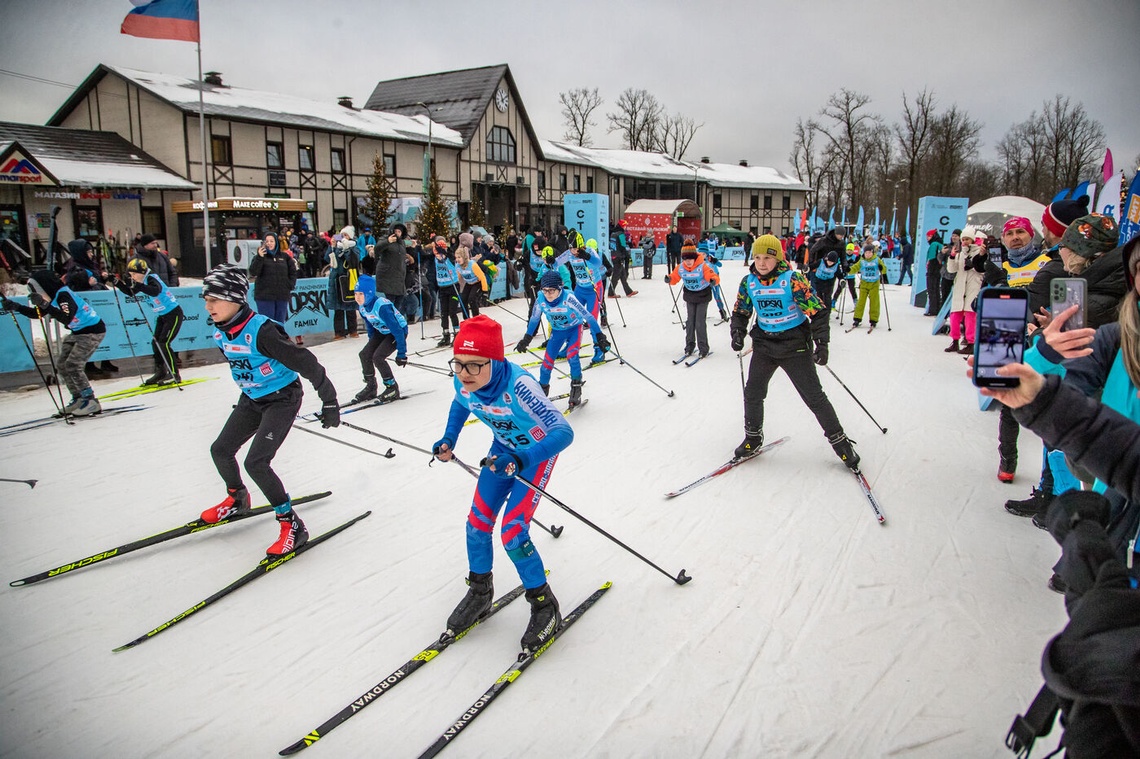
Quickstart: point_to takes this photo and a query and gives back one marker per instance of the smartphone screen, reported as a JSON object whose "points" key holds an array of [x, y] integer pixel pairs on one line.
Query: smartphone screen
{"points": [[1000, 336], [995, 256], [1065, 292]]}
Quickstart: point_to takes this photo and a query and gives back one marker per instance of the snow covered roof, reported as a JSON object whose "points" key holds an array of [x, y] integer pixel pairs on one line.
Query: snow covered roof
{"points": [[83, 158], [274, 108], [658, 166]]}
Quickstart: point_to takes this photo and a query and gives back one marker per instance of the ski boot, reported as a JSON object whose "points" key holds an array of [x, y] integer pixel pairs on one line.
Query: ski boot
{"points": [[160, 377], [391, 392], [369, 390], [576, 391], [75, 402], [545, 618], [293, 534], [1007, 466], [444, 341], [843, 449], [1037, 502], [236, 502], [545, 390], [477, 602], [88, 405], [753, 441]]}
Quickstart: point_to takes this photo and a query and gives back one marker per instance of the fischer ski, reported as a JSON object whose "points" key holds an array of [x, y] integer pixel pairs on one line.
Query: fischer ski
{"points": [[264, 567], [698, 358], [131, 392], [525, 659], [730, 464], [866, 486], [432, 650], [187, 529]]}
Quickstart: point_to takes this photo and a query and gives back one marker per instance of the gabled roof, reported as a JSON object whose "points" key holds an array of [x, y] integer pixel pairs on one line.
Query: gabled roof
{"points": [[456, 98], [83, 158], [242, 104]]}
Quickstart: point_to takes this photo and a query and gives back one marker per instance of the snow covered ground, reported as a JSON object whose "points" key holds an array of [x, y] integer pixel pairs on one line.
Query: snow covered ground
{"points": [[808, 629]]}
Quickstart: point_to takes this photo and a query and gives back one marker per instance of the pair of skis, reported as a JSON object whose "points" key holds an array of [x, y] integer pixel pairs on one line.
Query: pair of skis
{"points": [[131, 392], [44, 421], [854, 327], [353, 406], [691, 361], [430, 652]]}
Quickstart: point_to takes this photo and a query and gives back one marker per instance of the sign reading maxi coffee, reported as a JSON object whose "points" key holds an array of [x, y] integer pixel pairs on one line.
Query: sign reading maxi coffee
{"points": [[231, 219]]}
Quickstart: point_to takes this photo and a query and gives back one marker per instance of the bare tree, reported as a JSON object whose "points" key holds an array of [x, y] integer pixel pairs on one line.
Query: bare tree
{"points": [[675, 133], [849, 129], [914, 135], [1074, 141], [954, 142], [577, 106], [637, 118]]}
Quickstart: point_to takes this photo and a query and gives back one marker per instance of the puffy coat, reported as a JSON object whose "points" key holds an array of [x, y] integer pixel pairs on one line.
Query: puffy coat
{"points": [[967, 267]]}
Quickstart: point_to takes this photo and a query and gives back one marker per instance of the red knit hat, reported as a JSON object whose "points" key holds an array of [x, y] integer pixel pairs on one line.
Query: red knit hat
{"points": [[1060, 214], [930, 233], [480, 336]]}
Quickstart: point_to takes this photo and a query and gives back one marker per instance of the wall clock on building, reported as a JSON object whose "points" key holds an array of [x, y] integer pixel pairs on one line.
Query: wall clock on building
{"points": [[501, 99]]}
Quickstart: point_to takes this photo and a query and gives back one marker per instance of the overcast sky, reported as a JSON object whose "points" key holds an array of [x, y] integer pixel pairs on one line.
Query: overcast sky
{"points": [[746, 70]]}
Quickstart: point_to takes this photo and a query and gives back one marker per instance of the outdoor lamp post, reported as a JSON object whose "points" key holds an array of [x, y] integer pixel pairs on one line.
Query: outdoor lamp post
{"points": [[894, 198]]}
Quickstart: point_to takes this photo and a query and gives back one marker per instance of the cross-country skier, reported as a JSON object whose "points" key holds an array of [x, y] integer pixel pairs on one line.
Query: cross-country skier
{"points": [[871, 270], [529, 434], [387, 332], [698, 279], [566, 315], [167, 324], [789, 318], [265, 364], [49, 295]]}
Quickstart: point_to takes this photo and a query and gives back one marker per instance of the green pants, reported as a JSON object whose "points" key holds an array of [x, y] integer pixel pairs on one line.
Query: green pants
{"points": [[868, 290]]}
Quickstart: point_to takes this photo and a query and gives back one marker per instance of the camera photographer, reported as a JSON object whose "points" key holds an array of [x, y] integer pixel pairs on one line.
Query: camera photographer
{"points": [[391, 264]]}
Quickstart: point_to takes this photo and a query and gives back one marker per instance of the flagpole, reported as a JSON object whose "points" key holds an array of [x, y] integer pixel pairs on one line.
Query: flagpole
{"points": [[202, 132]]}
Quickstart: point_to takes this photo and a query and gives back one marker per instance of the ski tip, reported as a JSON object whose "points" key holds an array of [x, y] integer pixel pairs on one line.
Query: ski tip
{"points": [[17, 583], [882, 520], [125, 646], [682, 578]]}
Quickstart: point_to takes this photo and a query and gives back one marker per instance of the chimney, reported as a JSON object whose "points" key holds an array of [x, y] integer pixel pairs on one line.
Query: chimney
{"points": [[704, 159], [345, 101], [214, 78], [743, 161]]}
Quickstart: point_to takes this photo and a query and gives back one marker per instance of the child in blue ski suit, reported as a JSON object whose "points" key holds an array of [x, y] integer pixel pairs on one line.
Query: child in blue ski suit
{"points": [[823, 278], [387, 332], [529, 434], [566, 315]]}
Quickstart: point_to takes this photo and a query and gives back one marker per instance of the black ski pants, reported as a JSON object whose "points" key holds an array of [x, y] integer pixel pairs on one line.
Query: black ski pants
{"points": [[823, 288], [800, 368], [166, 328], [378, 348], [647, 263], [696, 326], [344, 322], [267, 420], [621, 274], [449, 308], [1007, 438], [933, 287]]}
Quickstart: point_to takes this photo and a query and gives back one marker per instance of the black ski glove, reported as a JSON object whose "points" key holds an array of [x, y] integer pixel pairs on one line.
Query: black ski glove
{"points": [[523, 344], [401, 360], [820, 356], [330, 415], [7, 304], [601, 342], [504, 465], [737, 340], [666, 278]]}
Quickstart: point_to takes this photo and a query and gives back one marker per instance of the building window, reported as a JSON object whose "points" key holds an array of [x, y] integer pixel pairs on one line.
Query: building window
{"points": [[275, 155], [88, 222], [716, 200], [340, 219], [542, 180], [577, 183], [767, 202], [220, 151], [305, 157], [562, 181], [390, 165], [589, 184], [154, 223], [336, 160], [500, 145], [787, 204], [755, 204]]}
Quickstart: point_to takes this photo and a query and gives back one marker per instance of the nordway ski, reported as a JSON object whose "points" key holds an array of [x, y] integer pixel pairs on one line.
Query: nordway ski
{"points": [[870, 496], [264, 567], [525, 659], [432, 650], [187, 529], [698, 358], [730, 464], [130, 392]]}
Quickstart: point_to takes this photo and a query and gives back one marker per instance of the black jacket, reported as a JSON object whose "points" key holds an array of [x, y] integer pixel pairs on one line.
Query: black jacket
{"points": [[390, 268], [274, 275], [674, 242], [157, 262], [829, 242]]}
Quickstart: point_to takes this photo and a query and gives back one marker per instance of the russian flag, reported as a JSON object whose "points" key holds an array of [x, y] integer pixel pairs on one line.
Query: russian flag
{"points": [[163, 20]]}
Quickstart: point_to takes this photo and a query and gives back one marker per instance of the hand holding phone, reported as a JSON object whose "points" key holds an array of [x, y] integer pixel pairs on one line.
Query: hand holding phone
{"points": [[999, 340], [1065, 292]]}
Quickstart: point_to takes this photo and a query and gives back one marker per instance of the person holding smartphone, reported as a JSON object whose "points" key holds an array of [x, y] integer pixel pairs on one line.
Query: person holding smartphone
{"points": [[274, 275], [966, 263], [1088, 250]]}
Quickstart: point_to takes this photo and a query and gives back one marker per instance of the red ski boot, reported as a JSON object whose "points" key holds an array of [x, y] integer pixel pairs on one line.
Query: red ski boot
{"points": [[236, 502], [293, 535]]}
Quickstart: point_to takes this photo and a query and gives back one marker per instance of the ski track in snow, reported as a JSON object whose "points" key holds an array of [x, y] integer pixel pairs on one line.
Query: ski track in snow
{"points": [[808, 630]]}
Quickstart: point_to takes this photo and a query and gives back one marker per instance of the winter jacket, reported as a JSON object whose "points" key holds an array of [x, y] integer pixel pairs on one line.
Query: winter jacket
{"points": [[342, 258], [1034, 275], [674, 242], [821, 247], [967, 267], [274, 275], [704, 295], [390, 268], [157, 262], [1106, 286]]}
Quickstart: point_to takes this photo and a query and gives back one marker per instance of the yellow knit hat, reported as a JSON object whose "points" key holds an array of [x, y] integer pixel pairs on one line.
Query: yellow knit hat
{"points": [[768, 245]]}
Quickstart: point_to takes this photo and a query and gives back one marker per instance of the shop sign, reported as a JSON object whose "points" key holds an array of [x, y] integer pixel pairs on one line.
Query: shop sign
{"points": [[18, 169]]}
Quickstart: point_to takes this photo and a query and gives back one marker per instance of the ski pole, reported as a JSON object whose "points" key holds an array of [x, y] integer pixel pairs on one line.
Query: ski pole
{"points": [[161, 353], [32, 356], [886, 309], [459, 297], [842, 296], [54, 370], [617, 300], [29, 483], [743, 388], [621, 360], [865, 411], [554, 530], [388, 455], [130, 343], [512, 313], [677, 308], [430, 368], [681, 578]]}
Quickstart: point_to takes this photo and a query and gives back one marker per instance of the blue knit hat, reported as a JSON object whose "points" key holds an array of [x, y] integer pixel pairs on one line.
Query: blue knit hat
{"points": [[367, 285], [550, 279]]}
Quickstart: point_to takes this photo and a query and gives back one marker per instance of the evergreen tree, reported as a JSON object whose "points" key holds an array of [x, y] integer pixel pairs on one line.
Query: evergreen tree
{"points": [[476, 216], [379, 196], [434, 216]]}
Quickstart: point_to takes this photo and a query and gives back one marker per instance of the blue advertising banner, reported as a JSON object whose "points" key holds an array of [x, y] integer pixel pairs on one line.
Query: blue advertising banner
{"points": [[13, 350], [589, 213], [942, 214]]}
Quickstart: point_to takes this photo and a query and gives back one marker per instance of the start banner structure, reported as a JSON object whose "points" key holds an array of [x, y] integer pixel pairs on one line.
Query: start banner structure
{"points": [[943, 215], [589, 213]]}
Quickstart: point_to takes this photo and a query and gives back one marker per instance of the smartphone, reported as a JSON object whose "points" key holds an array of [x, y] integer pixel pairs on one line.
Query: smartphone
{"points": [[1065, 292], [995, 256], [999, 338]]}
